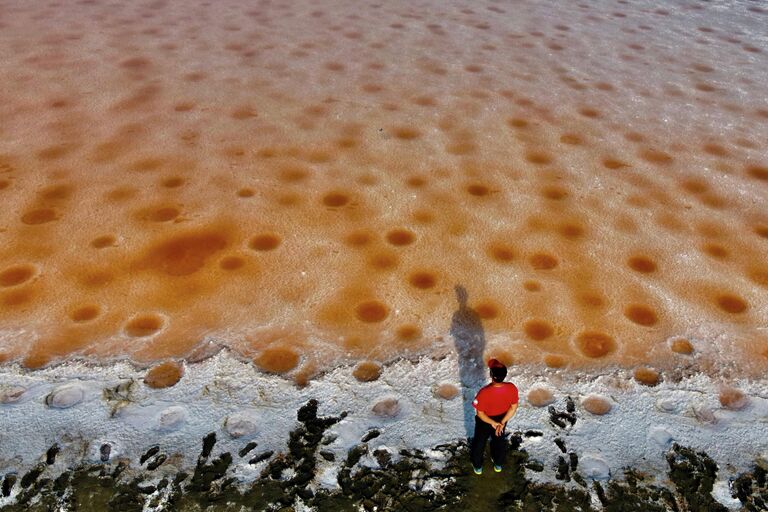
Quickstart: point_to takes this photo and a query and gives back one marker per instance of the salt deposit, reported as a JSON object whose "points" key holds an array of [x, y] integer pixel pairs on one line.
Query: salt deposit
{"points": [[216, 211], [597, 405], [540, 396]]}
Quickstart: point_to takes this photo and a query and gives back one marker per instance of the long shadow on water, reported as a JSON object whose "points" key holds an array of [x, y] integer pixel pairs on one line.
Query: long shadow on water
{"points": [[469, 339]]}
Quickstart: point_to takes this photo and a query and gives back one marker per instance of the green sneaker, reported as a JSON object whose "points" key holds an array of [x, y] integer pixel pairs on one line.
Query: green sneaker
{"points": [[478, 471], [497, 468]]}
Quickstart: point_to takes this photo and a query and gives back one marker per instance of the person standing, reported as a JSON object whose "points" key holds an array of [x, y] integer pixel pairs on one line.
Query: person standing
{"points": [[495, 404]]}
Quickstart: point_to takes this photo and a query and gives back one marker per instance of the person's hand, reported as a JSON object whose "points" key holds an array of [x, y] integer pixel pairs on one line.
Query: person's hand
{"points": [[500, 429]]}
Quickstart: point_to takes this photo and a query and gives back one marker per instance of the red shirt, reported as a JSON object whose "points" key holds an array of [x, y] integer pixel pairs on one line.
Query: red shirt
{"points": [[496, 400]]}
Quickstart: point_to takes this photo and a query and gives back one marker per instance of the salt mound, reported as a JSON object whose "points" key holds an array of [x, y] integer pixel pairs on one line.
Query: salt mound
{"points": [[241, 424], [597, 405], [10, 393], [447, 391], [66, 396], [172, 417], [277, 360], [540, 396], [647, 376], [164, 375], [367, 371], [733, 399], [681, 346], [386, 408]]}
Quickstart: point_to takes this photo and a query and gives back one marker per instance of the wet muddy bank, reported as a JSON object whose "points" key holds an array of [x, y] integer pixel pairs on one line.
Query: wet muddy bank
{"points": [[374, 477]]}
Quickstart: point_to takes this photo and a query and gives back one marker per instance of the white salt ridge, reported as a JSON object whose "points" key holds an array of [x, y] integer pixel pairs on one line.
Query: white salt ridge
{"points": [[66, 396], [224, 387], [241, 424], [594, 466], [172, 418]]}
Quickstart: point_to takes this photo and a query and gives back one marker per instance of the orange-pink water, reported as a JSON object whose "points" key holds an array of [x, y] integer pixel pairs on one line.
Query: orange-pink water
{"points": [[307, 182]]}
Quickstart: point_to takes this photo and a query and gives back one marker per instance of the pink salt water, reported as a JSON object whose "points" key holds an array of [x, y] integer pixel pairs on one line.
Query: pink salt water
{"points": [[306, 182]]}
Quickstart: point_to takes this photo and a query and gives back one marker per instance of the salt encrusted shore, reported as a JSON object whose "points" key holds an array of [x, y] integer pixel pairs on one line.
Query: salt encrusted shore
{"points": [[78, 415]]}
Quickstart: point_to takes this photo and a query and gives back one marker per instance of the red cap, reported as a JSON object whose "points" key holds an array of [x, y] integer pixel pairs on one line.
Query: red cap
{"points": [[495, 363]]}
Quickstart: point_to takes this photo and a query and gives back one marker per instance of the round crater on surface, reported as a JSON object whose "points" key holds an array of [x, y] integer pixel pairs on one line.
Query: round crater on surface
{"points": [[642, 264], [84, 313], [400, 237], [487, 310], [335, 199], [731, 303], [542, 261], [555, 360], [538, 329], [103, 241], [408, 332], [277, 360], [595, 344], [422, 279], [16, 275], [144, 325], [502, 253], [265, 242], [231, 262], [39, 216], [681, 346], [641, 315], [371, 311]]}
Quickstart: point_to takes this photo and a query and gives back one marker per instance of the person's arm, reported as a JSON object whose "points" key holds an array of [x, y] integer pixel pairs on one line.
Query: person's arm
{"points": [[508, 416], [484, 417]]}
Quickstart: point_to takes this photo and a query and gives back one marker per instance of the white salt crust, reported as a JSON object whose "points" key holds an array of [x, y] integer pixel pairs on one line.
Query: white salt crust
{"points": [[230, 397]]}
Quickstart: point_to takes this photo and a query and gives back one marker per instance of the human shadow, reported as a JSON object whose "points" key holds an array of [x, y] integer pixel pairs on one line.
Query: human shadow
{"points": [[469, 340]]}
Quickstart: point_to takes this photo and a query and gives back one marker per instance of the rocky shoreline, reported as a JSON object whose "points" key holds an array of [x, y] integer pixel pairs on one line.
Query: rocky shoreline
{"points": [[371, 478], [226, 437]]}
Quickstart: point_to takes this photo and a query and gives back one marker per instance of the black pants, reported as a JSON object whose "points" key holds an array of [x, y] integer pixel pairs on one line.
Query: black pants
{"points": [[498, 443]]}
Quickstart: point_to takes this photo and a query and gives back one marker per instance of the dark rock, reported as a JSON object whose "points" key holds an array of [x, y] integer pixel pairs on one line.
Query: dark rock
{"points": [[694, 474], [205, 474], [247, 448], [261, 457], [50, 455], [562, 470], [533, 433], [329, 439], [8, 482], [573, 460], [560, 444], [569, 405], [307, 412], [162, 484], [61, 483], [208, 442], [157, 462], [149, 453], [534, 465], [355, 454], [104, 452], [383, 457], [121, 466], [329, 456], [32, 476], [147, 489], [371, 434]]}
